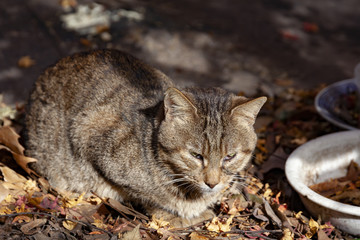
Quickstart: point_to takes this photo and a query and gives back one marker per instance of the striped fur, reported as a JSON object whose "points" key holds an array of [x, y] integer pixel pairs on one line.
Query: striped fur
{"points": [[105, 121]]}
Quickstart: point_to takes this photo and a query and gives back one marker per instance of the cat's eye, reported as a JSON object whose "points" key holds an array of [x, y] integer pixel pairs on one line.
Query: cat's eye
{"points": [[197, 155], [229, 157]]}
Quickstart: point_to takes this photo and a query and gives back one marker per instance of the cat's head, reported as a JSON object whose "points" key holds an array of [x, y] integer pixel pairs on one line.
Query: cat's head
{"points": [[206, 138]]}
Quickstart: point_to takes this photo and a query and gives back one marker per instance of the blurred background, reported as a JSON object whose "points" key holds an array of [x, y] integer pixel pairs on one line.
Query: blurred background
{"points": [[241, 45]]}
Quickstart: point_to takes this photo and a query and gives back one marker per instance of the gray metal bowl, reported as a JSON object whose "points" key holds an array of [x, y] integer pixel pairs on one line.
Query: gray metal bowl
{"points": [[326, 99]]}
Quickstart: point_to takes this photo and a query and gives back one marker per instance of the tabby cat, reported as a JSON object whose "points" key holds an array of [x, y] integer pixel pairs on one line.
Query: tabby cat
{"points": [[105, 121]]}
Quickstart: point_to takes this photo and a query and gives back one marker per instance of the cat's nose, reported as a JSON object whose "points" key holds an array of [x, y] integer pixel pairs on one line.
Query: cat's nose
{"points": [[211, 185]]}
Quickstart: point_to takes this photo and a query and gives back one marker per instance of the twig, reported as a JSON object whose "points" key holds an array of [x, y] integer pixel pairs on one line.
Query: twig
{"points": [[257, 231]]}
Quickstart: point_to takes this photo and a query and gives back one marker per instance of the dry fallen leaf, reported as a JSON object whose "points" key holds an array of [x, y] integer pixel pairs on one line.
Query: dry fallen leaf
{"points": [[26, 62], [158, 223], [4, 193], [345, 189], [23, 162], [322, 235], [21, 219], [314, 228], [69, 225], [133, 234], [310, 27], [99, 223], [28, 228], [196, 236], [270, 212], [287, 235], [284, 82], [299, 141], [68, 3], [116, 205], [5, 210], [13, 184], [268, 192], [12, 177], [10, 139], [236, 205], [217, 225], [6, 111], [72, 202]]}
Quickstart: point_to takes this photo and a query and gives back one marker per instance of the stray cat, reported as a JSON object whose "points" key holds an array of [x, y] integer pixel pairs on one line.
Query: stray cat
{"points": [[107, 122]]}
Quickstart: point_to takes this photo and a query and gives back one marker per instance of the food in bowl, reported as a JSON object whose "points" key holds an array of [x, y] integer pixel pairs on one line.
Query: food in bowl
{"points": [[344, 189], [347, 108]]}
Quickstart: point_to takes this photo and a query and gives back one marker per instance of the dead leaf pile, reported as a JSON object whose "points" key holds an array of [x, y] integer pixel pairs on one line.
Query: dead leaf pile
{"points": [[31, 209], [345, 189]]}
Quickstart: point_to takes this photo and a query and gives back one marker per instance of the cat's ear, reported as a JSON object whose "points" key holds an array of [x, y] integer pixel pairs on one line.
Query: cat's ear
{"points": [[178, 106], [248, 110]]}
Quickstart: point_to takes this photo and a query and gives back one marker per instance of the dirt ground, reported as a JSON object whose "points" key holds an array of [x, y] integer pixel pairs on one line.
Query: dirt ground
{"points": [[239, 45]]}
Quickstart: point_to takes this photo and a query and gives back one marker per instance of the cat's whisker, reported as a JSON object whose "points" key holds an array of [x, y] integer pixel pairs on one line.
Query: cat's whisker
{"points": [[239, 178], [184, 184], [176, 174], [173, 182]]}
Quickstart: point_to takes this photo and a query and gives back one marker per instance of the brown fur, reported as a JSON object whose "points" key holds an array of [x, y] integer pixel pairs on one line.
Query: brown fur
{"points": [[105, 121]]}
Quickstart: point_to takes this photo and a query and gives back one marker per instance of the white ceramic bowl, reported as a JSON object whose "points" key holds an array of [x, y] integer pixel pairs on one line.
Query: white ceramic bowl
{"points": [[319, 160]]}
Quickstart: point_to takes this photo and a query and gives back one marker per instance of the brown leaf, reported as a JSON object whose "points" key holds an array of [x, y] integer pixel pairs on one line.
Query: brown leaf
{"points": [[133, 234], [353, 171], [10, 139], [26, 62], [310, 27], [287, 235], [287, 35], [166, 234], [124, 209], [314, 228], [327, 188], [28, 228], [44, 184], [299, 141], [219, 225], [4, 192], [21, 219], [276, 160], [236, 204], [284, 82], [68, 3], [196, 236], [260, 215], [270, 212], [11, 176], [157, 223], [47, 203], [69, 225], [322, 235], [23, 162]]}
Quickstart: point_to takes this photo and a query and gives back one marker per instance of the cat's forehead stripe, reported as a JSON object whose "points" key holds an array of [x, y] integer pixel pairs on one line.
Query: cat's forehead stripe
{"points": [[213, 134]]}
